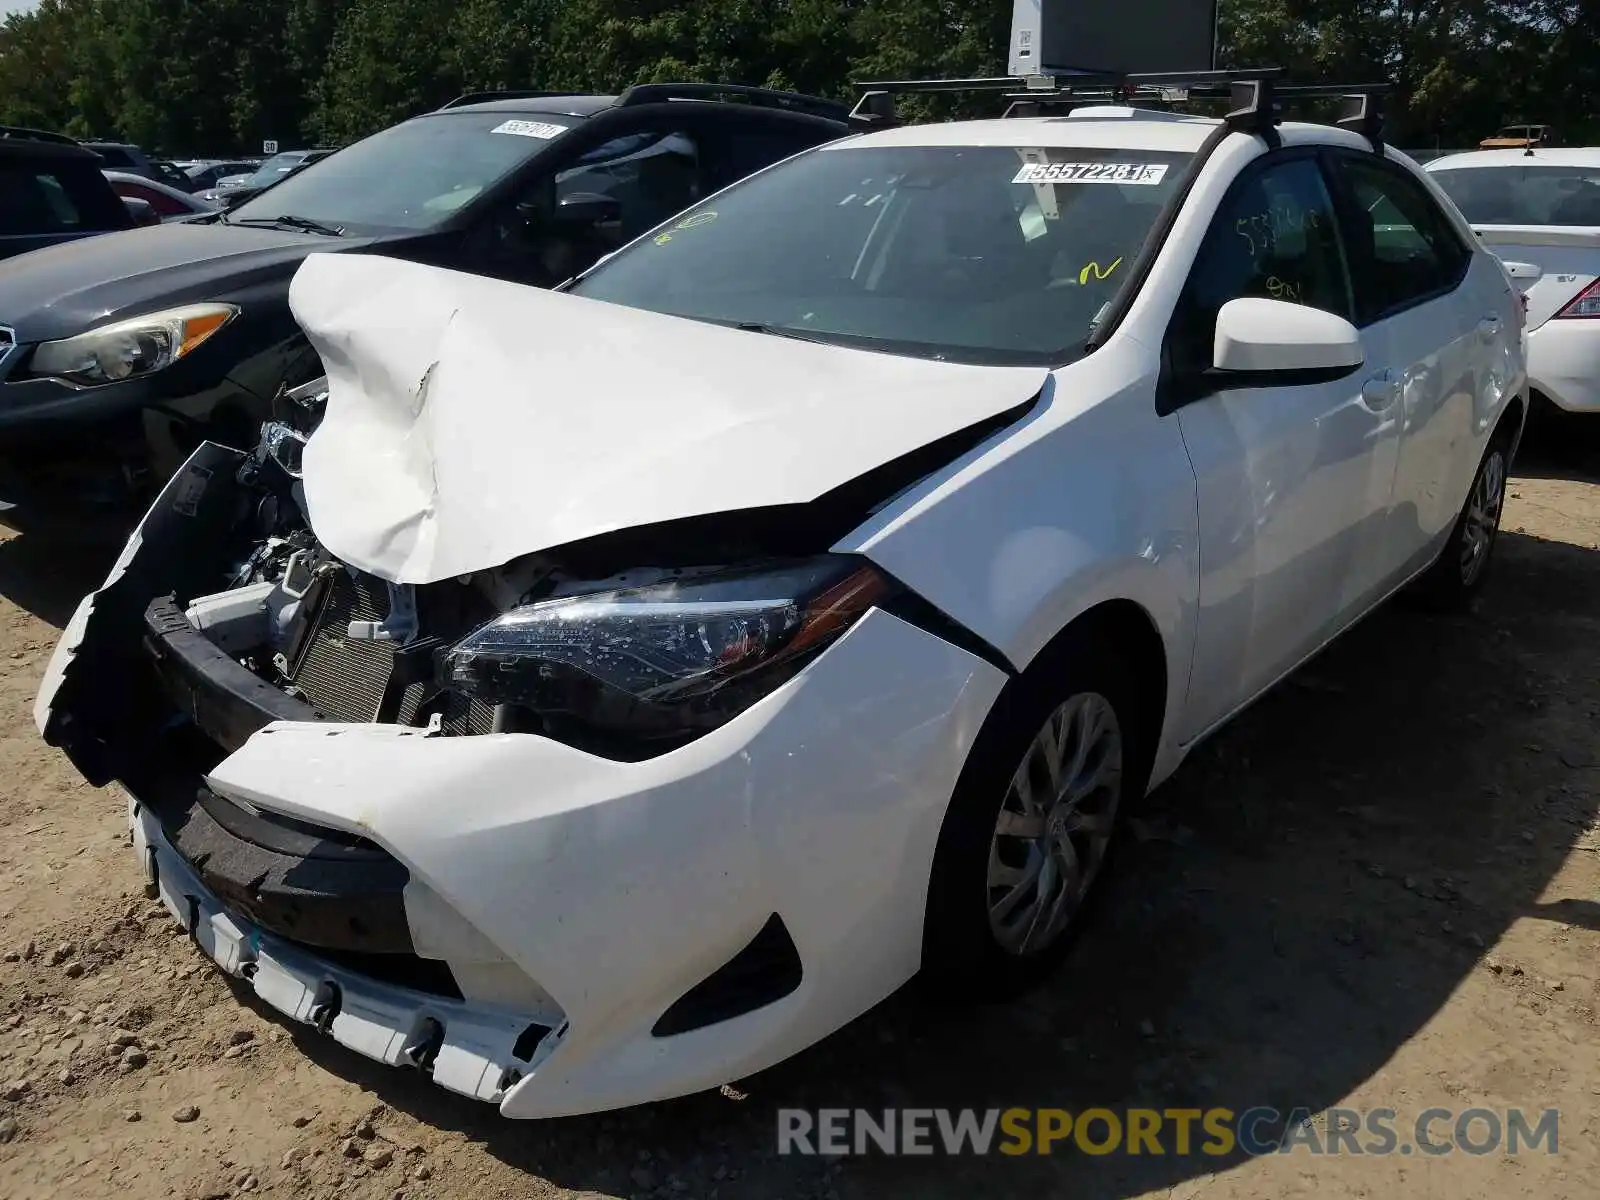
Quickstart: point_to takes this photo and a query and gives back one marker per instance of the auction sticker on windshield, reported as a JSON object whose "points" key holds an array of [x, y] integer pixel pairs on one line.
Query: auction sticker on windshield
{"points": [[1147, 174], [533, 129]]}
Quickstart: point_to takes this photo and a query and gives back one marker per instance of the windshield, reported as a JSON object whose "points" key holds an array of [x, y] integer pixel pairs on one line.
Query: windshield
{"points": [[411, 176], [1518, 195], [969, 253]]}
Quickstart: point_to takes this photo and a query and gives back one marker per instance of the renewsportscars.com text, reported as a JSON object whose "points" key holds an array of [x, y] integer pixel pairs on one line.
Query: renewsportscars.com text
{"points": [[1216, 1132]]}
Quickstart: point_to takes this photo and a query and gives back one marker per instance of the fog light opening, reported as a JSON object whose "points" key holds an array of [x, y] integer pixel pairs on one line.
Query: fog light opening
{"points": [[528, 1042]]}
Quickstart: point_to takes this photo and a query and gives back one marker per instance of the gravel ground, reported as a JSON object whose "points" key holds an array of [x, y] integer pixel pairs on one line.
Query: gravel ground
{"points": [[1377, 888]]}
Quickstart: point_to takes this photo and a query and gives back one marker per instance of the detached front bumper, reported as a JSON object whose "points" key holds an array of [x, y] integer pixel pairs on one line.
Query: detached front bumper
{"points": [[612, 932]]}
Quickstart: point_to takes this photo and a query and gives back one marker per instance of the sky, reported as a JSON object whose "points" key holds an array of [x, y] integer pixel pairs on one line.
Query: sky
{"points": [[7, 7]]}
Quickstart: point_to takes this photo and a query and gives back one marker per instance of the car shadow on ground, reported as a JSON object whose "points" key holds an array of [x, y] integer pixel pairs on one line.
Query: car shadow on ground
{"points": [[47, 576], [1286, 914], [1560, 445]]}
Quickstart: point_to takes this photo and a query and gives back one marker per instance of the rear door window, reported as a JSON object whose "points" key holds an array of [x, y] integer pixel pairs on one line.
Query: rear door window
{"points": [[36, 201], [651, 173], [1403, 249], [57, 198]]}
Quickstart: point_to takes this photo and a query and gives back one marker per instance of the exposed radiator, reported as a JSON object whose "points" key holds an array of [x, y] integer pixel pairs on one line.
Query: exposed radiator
{"points": [[346, 678], [343, 678]]}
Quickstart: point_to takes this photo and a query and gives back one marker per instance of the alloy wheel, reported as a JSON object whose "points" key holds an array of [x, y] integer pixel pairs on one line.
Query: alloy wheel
{"points": [[1482, 519], [1055, 824]]}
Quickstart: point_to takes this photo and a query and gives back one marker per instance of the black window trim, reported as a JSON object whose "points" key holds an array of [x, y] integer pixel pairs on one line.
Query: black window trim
{"points": [[1172, 393], [1346, 205]]}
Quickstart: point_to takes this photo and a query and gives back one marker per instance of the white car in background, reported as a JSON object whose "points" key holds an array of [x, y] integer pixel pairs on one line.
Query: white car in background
{"points": [[1540, 212], [622, 690]]}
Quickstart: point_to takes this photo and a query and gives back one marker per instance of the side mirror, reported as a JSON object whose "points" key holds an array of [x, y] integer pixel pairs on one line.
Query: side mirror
{"points": [[142, 212], [588, 209], [1258, 336], [1525, 274]]}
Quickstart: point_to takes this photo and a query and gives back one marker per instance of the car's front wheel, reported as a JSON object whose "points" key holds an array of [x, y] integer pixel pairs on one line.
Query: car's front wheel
{"points": [[1031, 825]]}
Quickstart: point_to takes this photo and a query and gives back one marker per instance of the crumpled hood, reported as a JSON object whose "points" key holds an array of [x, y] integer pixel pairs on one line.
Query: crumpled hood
{"points": [[472, 421]]}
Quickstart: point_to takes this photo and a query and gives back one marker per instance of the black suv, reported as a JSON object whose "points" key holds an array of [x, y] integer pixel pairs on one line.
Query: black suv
{"points": [[51, 190], [126, 355]]}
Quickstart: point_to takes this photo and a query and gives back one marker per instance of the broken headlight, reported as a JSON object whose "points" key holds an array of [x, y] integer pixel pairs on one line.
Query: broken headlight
{"points": [[665, 661]]}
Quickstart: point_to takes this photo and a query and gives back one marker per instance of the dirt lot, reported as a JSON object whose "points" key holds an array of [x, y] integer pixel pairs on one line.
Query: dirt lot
{"points": [[1378, 889]]}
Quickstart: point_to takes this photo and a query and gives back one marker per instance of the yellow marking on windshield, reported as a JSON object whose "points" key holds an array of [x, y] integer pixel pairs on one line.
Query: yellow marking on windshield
{"points": [[1094, 267]]}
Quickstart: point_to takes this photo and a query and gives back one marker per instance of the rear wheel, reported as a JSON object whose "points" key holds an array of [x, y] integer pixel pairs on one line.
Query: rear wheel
{"points": [[1031, 825], [1459, 572]]}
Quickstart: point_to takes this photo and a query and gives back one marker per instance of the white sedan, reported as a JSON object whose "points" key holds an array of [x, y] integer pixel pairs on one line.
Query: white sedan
{"points": [[1540, 211], [624, 688]]}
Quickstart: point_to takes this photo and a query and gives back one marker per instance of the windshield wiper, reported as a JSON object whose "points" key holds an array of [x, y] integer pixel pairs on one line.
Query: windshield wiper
{"points": [[290, 221], [776, 331]]}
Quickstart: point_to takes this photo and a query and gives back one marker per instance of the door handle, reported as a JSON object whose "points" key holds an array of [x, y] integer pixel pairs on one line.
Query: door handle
{"points": [[1380, 392], [1488, 328]]}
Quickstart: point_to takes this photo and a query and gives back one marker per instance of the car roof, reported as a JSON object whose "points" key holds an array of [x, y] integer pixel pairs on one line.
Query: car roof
{"points": [[561, 106], [1091, 127], [1571, 156], [25, 148]]}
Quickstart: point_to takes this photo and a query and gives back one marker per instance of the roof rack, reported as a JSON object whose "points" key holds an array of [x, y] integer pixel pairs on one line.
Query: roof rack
{"points": [[484, 97], [23, 134], [658, 93], [1254, 95]]}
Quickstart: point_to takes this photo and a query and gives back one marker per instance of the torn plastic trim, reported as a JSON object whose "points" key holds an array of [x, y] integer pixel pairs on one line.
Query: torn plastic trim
{"points": [[95, 712]]}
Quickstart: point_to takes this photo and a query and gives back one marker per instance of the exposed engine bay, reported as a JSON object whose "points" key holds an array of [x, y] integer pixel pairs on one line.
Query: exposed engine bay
{"points": [[353, 647], [356, 648], [581, 643]]}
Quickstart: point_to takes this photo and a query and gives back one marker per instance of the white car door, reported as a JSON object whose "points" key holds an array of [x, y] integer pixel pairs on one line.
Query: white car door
{"points": [[1437, 319], [1293, 474]]}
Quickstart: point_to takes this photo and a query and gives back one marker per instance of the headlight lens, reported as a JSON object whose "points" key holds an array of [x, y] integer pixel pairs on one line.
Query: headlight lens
{"points": [[661, 664], [133, 347]]}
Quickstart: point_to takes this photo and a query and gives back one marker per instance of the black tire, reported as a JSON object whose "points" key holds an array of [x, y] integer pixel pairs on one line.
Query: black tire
{"points": [[1458, 573], [963, 957]]}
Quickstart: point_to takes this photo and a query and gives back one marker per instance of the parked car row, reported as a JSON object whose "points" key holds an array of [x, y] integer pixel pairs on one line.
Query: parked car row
{"points": [[207, 173], [646, 576], [182, 334]]}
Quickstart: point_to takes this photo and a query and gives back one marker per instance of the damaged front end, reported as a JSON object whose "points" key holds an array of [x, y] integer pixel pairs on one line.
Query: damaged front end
{"points": [[223, 616], [328, 787]]}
